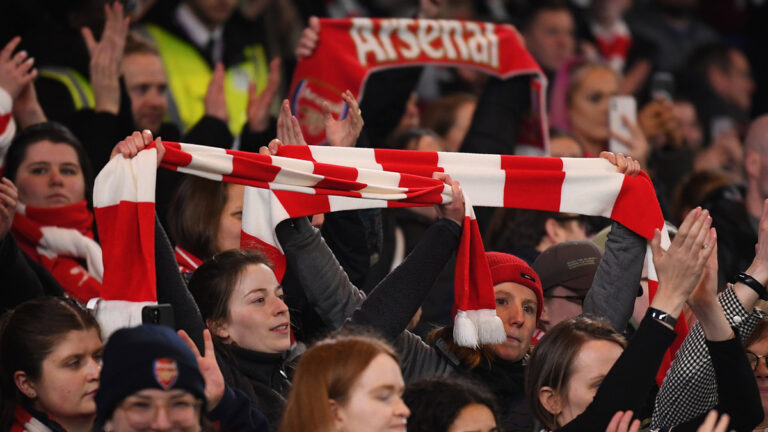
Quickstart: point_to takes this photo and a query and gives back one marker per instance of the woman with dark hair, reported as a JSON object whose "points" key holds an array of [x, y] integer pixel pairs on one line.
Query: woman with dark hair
{"points": [[450, 404], [49, 368], [347, 384], [54, 222], [582, 371], [214, 225]]}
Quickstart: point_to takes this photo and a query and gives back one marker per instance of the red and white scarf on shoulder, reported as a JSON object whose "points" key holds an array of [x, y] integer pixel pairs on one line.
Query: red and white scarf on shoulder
{"points": [[61, 240], [306, 180]]}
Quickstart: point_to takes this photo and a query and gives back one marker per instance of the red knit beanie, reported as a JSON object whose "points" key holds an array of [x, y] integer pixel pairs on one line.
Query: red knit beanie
{"points": [[509, 268]]}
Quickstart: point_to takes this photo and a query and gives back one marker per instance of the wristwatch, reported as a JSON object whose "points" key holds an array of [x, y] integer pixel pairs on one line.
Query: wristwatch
{"points": [[754, 284], [662, 316]]}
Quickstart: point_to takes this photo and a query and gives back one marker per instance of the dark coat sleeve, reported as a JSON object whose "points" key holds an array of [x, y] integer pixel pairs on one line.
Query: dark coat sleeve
{"points": [[392, 304], [627, 384], [495, 122], [614, 289], [22, 279], [172, 289], [236, 414]]}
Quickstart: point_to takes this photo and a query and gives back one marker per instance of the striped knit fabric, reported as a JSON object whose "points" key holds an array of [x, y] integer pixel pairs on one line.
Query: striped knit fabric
{"points": [[306, 180]]}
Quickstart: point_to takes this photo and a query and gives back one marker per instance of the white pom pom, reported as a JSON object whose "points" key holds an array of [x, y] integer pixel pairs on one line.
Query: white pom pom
{"points": [[490, 329], [464, 330]]}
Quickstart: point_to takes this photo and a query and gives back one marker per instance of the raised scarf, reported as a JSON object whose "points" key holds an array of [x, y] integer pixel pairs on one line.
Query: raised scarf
{"points": [[349, 50], [305, 180], [61, 240]]}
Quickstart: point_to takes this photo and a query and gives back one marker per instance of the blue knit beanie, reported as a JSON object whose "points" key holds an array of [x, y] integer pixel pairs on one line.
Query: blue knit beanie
{"points": [[144, 357]]}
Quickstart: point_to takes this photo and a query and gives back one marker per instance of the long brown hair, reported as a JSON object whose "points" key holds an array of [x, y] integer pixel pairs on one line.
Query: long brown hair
{"points": [[194, 214], [551, 363], [327, 371], [28, 334]]}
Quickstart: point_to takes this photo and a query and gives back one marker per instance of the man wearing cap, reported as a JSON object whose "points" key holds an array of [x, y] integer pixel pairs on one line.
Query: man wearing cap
{"points": [[566, 270], [150, 380]]}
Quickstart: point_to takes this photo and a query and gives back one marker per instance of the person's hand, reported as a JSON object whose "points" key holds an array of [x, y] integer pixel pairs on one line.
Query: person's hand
{"points": [[16, 70], [624, 163], [215, 97], [621, 422], [8, 199], [704, 304], [454, 210], [679, 268], [136, 142], [343, 133], [759, 267], [258, 104], [309, 38], [712, 424], [26, 108], [106, 55], [430, 9], [288, 128], [272, 148], [635, 142], [704, 295], [209, 368], [659, 123]]}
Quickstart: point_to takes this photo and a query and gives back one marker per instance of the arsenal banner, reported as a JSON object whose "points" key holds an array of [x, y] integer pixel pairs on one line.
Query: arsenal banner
{"points": [[349, 50]]}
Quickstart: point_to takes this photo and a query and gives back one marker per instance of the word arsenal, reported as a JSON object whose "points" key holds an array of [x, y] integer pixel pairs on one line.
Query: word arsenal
{"points": [[392, 40]]}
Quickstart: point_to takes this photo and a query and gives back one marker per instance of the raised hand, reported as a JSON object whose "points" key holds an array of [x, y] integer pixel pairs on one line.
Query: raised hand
{"points": [[26, 108], [209, 368], [712, 424], [288, 128], [16, 70], [258, 105], [455, 209], [343, 133], [679, 268], [8, 199], [624, 163], [621, 423], [106, 55], [309, 38], [215, 97], [136, 142]]}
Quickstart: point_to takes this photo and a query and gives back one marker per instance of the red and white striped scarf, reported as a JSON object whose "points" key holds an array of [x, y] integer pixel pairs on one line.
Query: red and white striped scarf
{"points": [[61, 239], [305, 180], [613, 43], [188, 263]]}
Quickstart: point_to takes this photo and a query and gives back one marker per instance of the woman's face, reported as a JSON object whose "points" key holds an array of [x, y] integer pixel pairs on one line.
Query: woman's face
{"points": [[760, 348], [374, 403], [258, 318], [156, 410], [50, 175], [231, 220], [589, 368], [516, 306], [474, 418], [70, 377], [588, 109]]}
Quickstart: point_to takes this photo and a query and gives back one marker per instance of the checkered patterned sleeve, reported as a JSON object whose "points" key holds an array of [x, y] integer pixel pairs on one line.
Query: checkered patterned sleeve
{"points": [[689, 389]]}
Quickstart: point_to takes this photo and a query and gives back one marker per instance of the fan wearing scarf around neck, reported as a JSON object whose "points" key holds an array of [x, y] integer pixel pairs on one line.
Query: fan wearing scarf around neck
{"points": [[53, 221]]}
